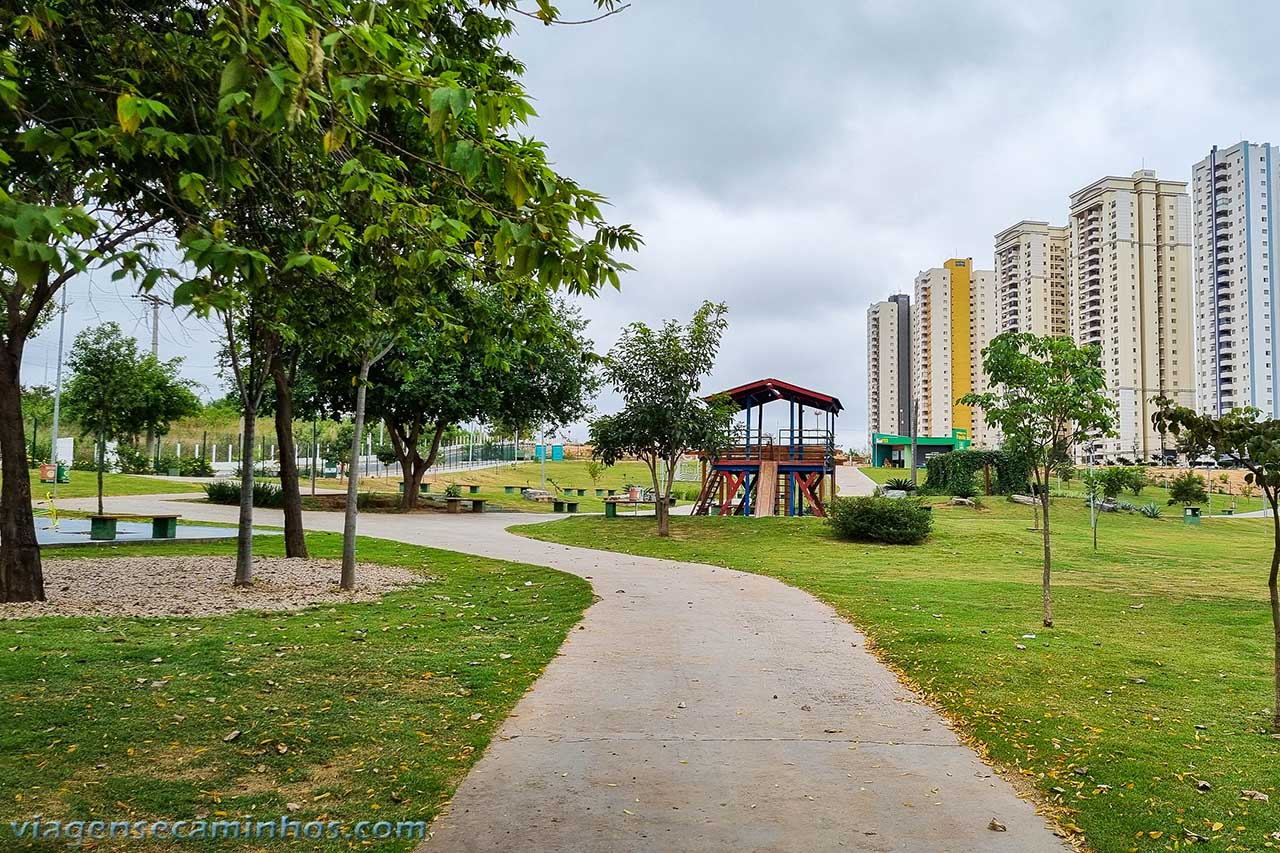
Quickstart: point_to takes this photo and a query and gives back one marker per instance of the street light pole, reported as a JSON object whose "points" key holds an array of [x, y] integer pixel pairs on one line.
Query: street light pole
{"points": [[57, 390]]}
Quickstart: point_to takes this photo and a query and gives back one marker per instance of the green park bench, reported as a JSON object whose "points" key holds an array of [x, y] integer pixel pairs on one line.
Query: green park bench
{"points": [[102, 528]]}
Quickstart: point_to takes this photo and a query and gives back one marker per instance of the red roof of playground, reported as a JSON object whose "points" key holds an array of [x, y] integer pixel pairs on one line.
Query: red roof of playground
{"points": [[768, 390]]}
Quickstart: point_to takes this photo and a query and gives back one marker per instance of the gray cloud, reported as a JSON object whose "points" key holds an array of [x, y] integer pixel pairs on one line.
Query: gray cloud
{"points": [[799, 161]]}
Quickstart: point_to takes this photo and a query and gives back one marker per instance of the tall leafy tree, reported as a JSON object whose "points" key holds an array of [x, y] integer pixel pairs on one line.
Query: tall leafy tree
{"points": [[1049, 394], [658, 373], [124, 122], [1254, 443], [115, 392]]}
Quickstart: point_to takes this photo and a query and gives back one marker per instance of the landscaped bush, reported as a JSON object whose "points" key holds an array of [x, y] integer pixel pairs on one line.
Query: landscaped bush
{"points": [[133, 460], [195, 466], [1150, 510], [227, 492], [1010, 472], [1187, 489], [901, 484], [903, 521]]}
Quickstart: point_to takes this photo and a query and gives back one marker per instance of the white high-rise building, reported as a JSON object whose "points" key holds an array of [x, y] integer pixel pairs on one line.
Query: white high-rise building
{"points": [[1235, 282], [1031, 278], [1130, 291], [955, 317], [889, 366]]}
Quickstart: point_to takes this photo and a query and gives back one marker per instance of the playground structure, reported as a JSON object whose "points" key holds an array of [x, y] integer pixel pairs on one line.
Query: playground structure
{"points": [[760, 474]]}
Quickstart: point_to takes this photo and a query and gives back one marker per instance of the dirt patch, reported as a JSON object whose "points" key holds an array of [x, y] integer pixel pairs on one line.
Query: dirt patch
{"points": [[198, 586]]}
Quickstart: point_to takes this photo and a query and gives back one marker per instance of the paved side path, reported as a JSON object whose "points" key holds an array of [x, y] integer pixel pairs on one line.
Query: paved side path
{"points": [[850, 481], [704, 709]]}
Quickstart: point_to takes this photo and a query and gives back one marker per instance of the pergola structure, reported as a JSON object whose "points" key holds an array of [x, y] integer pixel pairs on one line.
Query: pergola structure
{"points": [[759, 474]]}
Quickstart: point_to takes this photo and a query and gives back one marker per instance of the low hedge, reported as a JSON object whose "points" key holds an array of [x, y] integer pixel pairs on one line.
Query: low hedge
{"points": [[267, 495], [902, 521], [952, 473]]}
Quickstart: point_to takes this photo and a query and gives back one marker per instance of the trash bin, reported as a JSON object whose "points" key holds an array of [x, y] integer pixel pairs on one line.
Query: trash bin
{"points": [[1191, 515], [611, 509]]}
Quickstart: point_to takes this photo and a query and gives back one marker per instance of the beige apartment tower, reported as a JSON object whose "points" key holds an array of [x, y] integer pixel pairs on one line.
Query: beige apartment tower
{"points": [[889, 366], [1130, 281], [954, 318], [1031, 278]]}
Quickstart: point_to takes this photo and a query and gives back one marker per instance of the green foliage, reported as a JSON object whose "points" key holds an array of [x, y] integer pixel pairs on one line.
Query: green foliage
{"points": [[1187, 488], [595, 470], [903, 521], [946, 472], [658, 374], [965, 490], [195, 466], [1049, 395], [1150, 510], [453, 490], [901, 484], [227, 492], [133, 459]]}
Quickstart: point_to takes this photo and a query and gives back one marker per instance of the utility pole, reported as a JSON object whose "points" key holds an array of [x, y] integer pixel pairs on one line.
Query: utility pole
{"points": [[57, 390], [155, 302], [915, 429]]}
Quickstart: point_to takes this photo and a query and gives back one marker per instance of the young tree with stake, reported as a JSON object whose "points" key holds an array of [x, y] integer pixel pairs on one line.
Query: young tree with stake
{"points": [[658, 374], [1049, 394]]}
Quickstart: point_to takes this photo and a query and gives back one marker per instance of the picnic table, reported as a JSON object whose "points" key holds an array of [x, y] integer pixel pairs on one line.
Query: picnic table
{"points": [[163, 525]]}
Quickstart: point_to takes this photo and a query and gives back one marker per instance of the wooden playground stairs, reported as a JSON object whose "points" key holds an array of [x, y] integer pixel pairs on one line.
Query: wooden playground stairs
{"points": [[764, 493]]}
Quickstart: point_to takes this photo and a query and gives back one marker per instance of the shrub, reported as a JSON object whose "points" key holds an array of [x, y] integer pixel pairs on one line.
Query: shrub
{"points": [[905, 521], [195, 466], [901, 484], [1150, 510], [964, 489], [266, 495], [1187, 489], [453, 490], [85, 465], [133, 460], [945, 471]]}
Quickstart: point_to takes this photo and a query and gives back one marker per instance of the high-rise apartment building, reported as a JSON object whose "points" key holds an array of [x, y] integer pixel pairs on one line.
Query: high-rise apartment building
{"points": [[955, 316], [1235, 282], [1031, 278], [889, 366], [1130, 292]]}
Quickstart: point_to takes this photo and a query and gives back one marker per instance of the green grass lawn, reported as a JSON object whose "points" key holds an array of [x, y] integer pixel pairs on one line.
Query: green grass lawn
{"points": [[1150, 494], [354, 712], [84, 484], [1157, 676]]}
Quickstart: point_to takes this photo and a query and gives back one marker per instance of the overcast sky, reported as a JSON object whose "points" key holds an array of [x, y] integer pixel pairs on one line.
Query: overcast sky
{"points": [[800, 160]]}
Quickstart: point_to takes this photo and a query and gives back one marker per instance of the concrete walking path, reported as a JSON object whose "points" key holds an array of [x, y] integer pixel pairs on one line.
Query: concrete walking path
{"points": [[701, 709], [850, 482]]}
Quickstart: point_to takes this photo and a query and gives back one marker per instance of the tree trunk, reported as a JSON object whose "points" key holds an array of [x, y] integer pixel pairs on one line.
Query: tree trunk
{"points": [[660, 505], [21, 577], [348, 580], [244, 534], [295, 541], [1047, 599], [1275, 613], [412, 466], [102, 463]]}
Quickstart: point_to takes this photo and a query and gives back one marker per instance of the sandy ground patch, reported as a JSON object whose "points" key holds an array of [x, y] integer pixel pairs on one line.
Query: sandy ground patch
{"points": [[197, 586]]}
